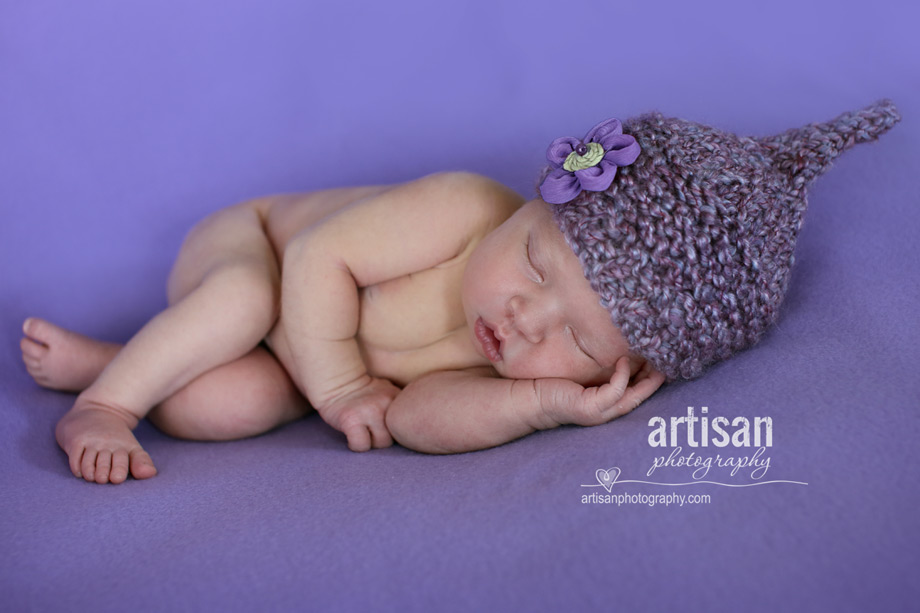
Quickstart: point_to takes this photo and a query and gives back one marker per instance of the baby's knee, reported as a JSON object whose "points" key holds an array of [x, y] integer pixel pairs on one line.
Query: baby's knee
{"points": [[252, 289]]}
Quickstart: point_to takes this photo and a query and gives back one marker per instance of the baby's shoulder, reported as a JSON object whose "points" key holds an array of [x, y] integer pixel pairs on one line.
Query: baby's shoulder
{"points": [[468, 195]]}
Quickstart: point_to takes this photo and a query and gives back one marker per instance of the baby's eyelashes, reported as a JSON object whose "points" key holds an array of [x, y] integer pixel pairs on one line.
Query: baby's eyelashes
{"points": [[579, 346], [528, 255]]}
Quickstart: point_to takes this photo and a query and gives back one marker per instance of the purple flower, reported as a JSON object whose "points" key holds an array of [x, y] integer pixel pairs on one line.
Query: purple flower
{"points": [[589, 164]]}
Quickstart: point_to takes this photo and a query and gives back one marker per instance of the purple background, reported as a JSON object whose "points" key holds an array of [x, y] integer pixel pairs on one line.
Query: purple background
{"points": [[122, 123]]}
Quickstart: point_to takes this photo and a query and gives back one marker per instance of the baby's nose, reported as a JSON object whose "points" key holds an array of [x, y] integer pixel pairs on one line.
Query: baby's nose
{"points": [[532, 317]]}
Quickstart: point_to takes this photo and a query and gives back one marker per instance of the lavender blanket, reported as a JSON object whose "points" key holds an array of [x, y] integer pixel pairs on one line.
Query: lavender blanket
{"points": [[121, 124]]}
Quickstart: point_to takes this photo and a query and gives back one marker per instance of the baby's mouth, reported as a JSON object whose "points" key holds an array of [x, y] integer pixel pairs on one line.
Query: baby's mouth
{"points": [[491, 346]]}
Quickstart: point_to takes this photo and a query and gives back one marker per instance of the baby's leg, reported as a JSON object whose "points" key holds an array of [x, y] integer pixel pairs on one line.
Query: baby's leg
{"points": [[243, 398], [223, 293], [63, 360]]}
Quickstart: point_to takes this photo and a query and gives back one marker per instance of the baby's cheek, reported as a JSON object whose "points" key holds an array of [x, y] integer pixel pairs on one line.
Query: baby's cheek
{"points": [[548, 365], [581, 369], [595, 376]]}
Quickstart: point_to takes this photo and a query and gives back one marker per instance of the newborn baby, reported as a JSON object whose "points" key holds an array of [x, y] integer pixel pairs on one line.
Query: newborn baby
{"points": [[447, 313]]}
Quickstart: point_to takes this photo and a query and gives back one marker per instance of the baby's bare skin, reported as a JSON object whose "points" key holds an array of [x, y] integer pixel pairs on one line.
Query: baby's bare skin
{"points": [[400, 336], [230, 258], [357, 292]]}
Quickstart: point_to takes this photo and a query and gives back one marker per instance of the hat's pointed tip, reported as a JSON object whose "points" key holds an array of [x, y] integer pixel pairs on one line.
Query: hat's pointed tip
{"points": [[803, 154]]}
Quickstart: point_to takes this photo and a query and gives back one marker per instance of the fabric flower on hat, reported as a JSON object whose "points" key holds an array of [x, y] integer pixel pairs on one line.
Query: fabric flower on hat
{"points": [[588, 164]]}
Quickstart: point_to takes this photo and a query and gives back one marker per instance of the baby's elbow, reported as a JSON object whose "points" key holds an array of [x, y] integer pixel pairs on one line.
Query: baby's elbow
{"points": [[409, 423]]}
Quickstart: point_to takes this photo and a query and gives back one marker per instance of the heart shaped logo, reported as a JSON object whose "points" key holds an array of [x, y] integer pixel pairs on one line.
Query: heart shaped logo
{"points": [[607, 477]]}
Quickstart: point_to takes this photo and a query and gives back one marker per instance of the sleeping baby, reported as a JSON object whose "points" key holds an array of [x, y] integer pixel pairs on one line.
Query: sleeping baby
{"points": [[447, 313]]}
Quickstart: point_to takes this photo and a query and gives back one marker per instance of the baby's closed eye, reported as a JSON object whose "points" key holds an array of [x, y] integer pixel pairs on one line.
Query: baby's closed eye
{"points": [[538, 275], [579, 345]]}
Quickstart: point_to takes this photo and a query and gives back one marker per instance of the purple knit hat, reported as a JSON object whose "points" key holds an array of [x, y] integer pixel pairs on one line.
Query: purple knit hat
{"points": [[687, 232]]}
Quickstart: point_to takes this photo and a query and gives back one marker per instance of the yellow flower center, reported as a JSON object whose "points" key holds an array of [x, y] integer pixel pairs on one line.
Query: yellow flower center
{"points": [[592, 157]]}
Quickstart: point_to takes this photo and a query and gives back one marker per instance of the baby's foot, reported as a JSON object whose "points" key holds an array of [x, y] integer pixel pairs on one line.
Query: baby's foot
{"points": [[99, 443], [60, 359]]}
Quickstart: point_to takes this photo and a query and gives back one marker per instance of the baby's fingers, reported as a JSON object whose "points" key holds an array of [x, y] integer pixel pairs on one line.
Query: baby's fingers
{"points": [[613, 392], [359, 438], [380, 436], [366, 437], [647, 381]]}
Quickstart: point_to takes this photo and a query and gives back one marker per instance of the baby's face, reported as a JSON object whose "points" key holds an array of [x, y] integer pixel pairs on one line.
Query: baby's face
{"points": [[531, 311]]}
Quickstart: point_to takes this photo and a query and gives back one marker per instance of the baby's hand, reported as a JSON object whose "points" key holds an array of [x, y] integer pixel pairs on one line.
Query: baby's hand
{"points": [[567, 402], [360, 414]]}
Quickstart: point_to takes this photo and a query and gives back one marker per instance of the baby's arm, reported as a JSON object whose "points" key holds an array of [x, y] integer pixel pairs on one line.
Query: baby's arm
{"points": [[452, 412], [409, 228]]}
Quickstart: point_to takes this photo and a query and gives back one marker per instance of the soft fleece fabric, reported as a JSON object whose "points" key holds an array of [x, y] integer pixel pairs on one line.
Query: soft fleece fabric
{"points": [[123, 123]]}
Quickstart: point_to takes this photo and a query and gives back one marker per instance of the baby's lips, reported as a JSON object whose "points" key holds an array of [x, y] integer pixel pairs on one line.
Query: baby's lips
{"points": [[488, 340]]}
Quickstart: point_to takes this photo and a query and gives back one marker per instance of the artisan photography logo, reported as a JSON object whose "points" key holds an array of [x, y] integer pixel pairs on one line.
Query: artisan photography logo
{"points": [[743, 453]]}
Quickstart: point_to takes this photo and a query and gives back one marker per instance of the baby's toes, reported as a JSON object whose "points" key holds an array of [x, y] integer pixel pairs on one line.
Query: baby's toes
{"points": [[39, 330], [103, 467], [35, 346], [120, 466], [75, 459], [141, 465], [33, 352], [88, 465]]}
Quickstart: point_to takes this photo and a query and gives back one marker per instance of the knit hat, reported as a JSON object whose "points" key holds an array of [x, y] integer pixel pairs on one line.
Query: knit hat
{"points": [[687, 232]]}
